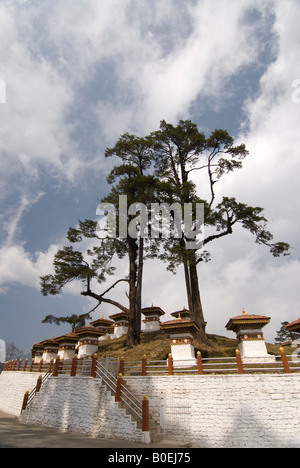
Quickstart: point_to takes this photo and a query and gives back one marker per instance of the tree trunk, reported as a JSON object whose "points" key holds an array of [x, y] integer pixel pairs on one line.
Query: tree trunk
{"points": [[134, 314], [139, 285], [195, 299], [188, 287]]}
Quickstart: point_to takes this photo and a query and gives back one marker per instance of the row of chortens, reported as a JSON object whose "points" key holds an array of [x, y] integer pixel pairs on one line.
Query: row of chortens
{"points": [[181, 330]]}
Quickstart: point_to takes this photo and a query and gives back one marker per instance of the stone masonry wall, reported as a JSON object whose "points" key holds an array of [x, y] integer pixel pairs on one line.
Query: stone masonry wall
{"points": [[80, 404], [13, 385], [258, 410]]}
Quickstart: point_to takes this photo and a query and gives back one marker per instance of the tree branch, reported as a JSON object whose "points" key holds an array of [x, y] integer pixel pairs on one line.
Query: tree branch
{"points": [[115, 284], [101, 299]]}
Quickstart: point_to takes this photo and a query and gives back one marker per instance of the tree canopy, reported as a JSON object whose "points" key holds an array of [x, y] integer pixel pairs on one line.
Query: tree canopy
{"points": [[156, 171], [284, 334]]}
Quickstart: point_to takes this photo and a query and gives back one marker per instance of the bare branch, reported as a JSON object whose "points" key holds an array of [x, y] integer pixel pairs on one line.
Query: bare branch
{"points": [[111, 287]]}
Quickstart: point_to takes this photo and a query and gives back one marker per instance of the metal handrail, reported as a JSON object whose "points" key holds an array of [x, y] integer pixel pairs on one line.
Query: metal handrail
{"points": [[152, 366], [210, 365], [126, 396], [34, 390]]}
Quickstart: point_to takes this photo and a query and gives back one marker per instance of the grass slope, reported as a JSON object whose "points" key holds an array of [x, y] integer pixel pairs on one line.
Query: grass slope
{"points": [[156, 346]]}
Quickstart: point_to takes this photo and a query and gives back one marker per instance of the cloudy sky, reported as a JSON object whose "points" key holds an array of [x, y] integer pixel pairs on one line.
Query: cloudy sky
{"points": [[76, 74]]}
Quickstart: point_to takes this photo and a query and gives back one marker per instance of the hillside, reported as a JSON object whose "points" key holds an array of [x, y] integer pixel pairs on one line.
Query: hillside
{"points": [[156, 346]]}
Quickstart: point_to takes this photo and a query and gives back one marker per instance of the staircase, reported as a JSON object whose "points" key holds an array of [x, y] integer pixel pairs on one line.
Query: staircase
{"points": [[131, 405], [114, 396]]}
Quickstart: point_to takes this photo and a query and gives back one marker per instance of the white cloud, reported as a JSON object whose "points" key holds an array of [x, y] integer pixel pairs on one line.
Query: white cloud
{"points": [[270, 174], [19, 267], [163, 54], [219, 44], [11, 221], [242, 283], [160, 64], [34, 135]]}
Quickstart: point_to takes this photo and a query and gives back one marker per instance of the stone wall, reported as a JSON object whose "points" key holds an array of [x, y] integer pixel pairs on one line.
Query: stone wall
{"points": [[13, 386], [258, 410], [80, 404], [249, 410]]}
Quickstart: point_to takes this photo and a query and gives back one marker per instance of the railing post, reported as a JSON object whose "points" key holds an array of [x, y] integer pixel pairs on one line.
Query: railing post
{"points": [[199, 363], [144, 365], [170, 364], [239, 361], [56, 367], [285, 361], [19, 365], [15, 363], [25, 400], [25, 364], [31, 365], [121, 365], [119, 388], [61, 366], [94, 365], [74, 366], [50, 365], [40, 365], [145, 426], [38, 384]]}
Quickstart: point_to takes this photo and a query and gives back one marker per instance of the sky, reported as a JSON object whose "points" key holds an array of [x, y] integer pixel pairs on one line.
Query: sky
{"points": [[75, 75]]}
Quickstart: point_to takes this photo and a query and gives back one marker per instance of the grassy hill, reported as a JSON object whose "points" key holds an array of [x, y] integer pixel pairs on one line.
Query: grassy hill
{"points": [[156, 346]]}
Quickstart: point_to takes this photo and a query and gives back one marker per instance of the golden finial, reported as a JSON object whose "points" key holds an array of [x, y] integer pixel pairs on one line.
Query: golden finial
{"points": [[179, 316], [244, 313]]}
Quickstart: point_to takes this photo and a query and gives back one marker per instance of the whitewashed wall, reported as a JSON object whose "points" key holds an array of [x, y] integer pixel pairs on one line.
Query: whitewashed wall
{"points": [[261, 410], [13, 386], [80, 404]]}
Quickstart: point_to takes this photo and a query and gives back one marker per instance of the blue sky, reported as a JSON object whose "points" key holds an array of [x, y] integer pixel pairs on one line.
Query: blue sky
{"points": [[80, 73]]}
